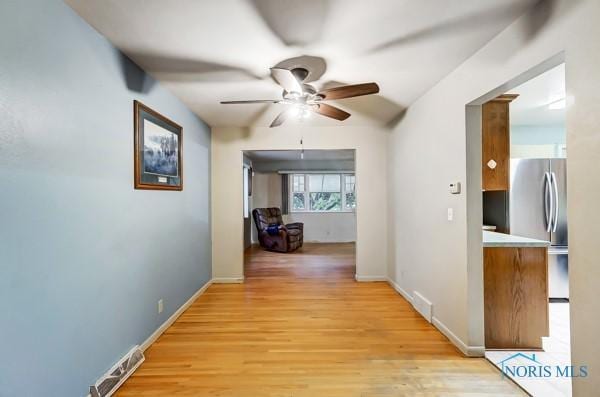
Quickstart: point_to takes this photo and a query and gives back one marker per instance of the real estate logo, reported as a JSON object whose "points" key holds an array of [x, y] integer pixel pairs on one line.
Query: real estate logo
{"points": [[520, 365]]}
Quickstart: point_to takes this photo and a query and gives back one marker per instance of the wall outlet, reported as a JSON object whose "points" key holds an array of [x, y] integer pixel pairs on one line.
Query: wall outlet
{"points": [[160, 306], [450, 214]]}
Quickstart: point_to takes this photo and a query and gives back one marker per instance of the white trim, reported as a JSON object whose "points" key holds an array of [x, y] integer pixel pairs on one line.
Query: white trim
{"points": [[152, 338], [228, 280], [321, 212], [329, 241], [315, 172], [369, 278], [306, 192], [400, 290], [164, 326], [469, 351]]}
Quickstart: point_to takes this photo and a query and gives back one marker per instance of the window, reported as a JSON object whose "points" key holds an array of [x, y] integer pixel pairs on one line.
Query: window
{"points": [[298, 192], [323, 192], [349, 192], [246, 192]]}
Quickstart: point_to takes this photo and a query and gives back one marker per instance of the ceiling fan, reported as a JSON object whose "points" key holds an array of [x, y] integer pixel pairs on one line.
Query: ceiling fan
{"points": [[304, 98]]}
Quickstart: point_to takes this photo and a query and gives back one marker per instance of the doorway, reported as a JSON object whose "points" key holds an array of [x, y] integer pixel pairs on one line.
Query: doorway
{"points": [[524, 203], [314, 190]]}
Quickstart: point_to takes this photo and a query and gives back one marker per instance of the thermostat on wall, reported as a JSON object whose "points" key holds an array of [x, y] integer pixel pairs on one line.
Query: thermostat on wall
{"points": [[454, 188]]}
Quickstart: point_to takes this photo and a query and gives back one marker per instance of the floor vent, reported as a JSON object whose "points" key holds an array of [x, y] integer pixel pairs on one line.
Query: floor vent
{"points": [[108, 384], [423, 306]]}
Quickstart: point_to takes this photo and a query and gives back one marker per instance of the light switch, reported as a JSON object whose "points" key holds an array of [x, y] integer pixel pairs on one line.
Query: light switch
{"points": [[450, 214]]}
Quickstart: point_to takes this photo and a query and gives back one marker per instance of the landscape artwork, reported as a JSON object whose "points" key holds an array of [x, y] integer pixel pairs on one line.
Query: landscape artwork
{"points": [[160, 150], [158, 154]]}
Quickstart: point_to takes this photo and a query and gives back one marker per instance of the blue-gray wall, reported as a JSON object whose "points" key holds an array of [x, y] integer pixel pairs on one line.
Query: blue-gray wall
{"points": [[84, 257]]}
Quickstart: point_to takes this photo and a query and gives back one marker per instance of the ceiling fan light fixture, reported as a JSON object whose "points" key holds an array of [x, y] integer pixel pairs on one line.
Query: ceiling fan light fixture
{"points": [[304, 113], [299, 111], [304, 99]]}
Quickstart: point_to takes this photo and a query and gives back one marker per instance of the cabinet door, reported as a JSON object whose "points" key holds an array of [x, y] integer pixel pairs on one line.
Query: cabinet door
{"points": [[496, 146], [496, 143], [515, 296]]}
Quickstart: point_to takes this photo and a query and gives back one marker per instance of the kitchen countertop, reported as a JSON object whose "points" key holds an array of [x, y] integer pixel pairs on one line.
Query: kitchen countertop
{"points": [[493, 239]]}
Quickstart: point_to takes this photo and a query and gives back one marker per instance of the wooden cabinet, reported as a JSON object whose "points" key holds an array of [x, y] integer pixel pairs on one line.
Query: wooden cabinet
{"points": [[496, 143], [515, 297]]}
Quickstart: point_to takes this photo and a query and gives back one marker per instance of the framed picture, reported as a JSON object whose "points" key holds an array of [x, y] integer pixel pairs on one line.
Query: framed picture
{"points": [[157, 150]]}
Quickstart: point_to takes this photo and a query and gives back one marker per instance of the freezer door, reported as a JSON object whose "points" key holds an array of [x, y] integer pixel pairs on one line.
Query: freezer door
{"points": [[528, 194], [558, 273], [558, 170]]}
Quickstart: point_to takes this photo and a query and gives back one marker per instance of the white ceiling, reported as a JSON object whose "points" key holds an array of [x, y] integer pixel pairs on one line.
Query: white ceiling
{"points": [[207, 51], [292, 155], [531, 106]]}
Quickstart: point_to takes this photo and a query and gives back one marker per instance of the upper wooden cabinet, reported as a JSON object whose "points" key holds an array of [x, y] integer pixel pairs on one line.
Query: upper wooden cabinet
{"points": [[496, 143]]}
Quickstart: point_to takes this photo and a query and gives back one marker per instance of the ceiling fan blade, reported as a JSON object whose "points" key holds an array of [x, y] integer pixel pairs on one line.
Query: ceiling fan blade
{"points": [[281, 117], [287, 80], [349, 91], [331, 111], [250, 101]]}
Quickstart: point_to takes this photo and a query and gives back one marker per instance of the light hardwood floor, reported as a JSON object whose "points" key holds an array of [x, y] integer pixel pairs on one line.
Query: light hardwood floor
{"points": [[301, 326]]}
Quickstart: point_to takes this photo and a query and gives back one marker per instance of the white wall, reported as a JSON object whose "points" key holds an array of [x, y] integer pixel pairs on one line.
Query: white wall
{"points": [[330, 227], [428, 149], [266, 192], [371, 220], [538, 141], [319, 227]]}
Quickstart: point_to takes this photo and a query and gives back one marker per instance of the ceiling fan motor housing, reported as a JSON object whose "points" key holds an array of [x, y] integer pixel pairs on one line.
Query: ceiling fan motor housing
{"points": [[300, 73]]}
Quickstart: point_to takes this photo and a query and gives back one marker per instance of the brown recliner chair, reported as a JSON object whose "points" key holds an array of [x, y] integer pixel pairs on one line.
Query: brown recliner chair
{"points": [[273, 235]]}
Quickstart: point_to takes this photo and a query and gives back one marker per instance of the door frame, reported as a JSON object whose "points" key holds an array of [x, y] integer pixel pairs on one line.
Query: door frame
{"points": [[473, 115]]}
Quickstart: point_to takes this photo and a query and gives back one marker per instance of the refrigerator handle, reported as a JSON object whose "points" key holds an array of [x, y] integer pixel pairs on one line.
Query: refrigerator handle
{"points": [[548, 200], [555, 185]]}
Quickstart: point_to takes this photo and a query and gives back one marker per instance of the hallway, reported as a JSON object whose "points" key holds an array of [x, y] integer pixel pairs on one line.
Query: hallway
{"points": [[301, 326]]}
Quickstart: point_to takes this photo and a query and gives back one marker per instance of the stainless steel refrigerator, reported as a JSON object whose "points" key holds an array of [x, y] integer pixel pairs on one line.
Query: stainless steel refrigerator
{"points": [[538, 209]]}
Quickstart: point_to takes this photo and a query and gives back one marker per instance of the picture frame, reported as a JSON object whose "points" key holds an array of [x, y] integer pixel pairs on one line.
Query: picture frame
{"points": [[158, 155]]}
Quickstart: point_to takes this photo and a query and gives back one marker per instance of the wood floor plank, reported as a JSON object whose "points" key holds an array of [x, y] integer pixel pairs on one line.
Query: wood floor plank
{"points": [[301, 326]]}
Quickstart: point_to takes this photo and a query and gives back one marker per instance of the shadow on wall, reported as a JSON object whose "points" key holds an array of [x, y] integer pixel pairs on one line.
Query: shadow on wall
{"points": [[545, 10], [181, 69], [135, 78]]}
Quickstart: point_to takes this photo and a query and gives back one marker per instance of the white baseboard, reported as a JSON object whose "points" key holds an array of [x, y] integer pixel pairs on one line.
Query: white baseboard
{"points": [[152, 338], [228, 280], [163, 327], [400, 290], [329, 241], [469, 351], [369, 278]]}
